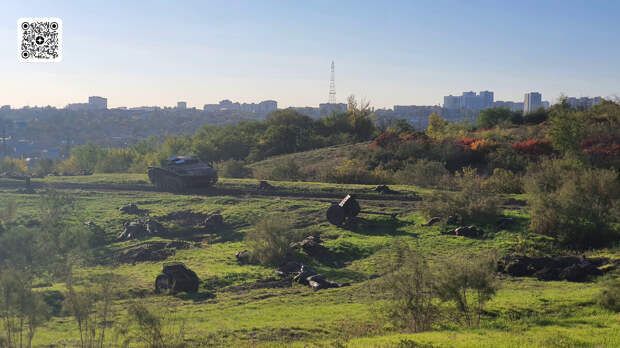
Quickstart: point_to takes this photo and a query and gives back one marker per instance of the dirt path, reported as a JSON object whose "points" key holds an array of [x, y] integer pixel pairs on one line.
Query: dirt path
{"points": [[216, 191]]}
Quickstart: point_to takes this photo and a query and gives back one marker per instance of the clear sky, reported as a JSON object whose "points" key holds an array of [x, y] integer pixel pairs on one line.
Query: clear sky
{"points": [[390, 52]]}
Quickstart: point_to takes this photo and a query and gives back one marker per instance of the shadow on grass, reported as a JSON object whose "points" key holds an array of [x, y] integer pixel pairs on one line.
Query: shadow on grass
{"points": [[195, 296], [379, 227]]}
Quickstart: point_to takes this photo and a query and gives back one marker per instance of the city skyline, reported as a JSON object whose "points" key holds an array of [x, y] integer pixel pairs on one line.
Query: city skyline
{"points": [[250, 51]]}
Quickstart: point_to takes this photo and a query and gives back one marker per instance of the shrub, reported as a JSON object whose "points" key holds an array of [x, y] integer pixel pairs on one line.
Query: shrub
{"points": [[234, 169], [609, 297], [353, 171], [422, 172], [469, 281], [503, 181], [577, 206], [13, 166], [534, 147], [470, 202], [270, 239], [408, 284]]}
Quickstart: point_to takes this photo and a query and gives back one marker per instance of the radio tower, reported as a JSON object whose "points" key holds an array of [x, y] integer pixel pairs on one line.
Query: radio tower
{"points": [[332, 87]]}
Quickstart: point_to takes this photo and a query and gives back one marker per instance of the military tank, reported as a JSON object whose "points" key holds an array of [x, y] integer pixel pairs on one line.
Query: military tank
{"points": [[181, 173]]}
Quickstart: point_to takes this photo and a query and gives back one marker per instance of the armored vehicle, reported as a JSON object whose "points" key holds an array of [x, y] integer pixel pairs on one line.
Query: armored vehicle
{"points": [[176, 277], [180, 173]]}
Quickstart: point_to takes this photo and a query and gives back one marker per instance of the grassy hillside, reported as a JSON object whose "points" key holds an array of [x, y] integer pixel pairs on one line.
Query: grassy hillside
{"points": [[228, 311], [313, 161]]}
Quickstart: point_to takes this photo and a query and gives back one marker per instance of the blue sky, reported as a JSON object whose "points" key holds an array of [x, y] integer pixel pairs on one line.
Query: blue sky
{"points": [[389, 52]]}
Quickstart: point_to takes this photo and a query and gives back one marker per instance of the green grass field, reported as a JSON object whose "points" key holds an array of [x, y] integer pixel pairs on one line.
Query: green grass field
{"points": [[525, 312]]}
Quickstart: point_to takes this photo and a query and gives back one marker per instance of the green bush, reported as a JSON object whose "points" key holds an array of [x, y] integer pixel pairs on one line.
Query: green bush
{"points": [[286, 170], [469, 281], [503, 181], [234, 169], [353, 171], [270, 239], [409, 285], [609, 297], [422, 172], [579, 207], [470, 202]]}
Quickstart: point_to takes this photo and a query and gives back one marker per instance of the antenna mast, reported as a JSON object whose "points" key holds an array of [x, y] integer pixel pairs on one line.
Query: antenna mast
{"points": [[332, 87]]}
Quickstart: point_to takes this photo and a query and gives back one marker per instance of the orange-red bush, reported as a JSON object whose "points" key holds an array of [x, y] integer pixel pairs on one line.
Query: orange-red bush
{"points": [[533, 147]]}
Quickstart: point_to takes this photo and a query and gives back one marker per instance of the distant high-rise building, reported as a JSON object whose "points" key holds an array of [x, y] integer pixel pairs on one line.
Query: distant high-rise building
{"points": [[97, 103], [181, 105], [469, 100], [513, 106], [451, 102], [532, 102], [486, 99], [583, 102], [330, 108]]}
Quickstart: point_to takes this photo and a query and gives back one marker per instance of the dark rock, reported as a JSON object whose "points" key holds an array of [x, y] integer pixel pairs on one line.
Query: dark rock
{"points": [[154, 227], [547, 274], [263, 185], [432, 221], [312, 246], [384, 189], [243, 257], [153, 251], [504, 223], [452, 220], [133, 230], [468, 231], [288, 268], [130, 209], [214, 220], [570, 268]]}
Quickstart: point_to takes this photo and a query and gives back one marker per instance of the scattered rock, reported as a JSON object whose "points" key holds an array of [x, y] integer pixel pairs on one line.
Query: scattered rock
{"points": [[214, 220], [504, 223], [263, 185], [312, 246], [466, 231], [131, 209], [570, 268], [432, 221], [134, 229], [304, 275], [384, 189], [243, 257], [26, 191], [154, 227], [153, 251], [452, 220]]}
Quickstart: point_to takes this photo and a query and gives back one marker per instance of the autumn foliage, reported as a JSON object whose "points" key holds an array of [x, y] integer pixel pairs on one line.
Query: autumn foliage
{"points": [[601, 146], [533, 147]]}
